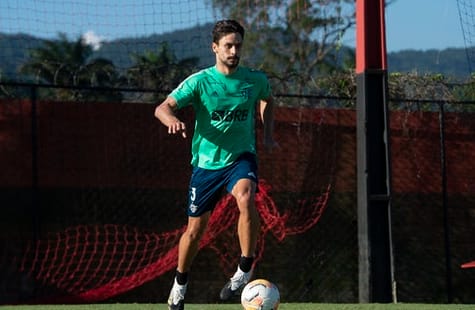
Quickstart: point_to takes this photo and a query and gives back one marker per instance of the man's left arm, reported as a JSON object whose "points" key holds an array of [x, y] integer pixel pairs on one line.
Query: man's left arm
{"points": [[266, 108]]}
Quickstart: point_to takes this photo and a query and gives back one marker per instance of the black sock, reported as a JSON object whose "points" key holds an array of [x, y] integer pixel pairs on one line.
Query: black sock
{"points": [[245, 263], [181, 278]]}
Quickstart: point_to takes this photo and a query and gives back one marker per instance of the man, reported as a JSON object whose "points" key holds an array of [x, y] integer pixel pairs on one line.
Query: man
{"points": [[224, 98]]}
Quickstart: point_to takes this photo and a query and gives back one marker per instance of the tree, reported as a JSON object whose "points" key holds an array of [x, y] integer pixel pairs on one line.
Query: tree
{"points": [[429, 92], [159, 71], [69, 64], [465, 91]]}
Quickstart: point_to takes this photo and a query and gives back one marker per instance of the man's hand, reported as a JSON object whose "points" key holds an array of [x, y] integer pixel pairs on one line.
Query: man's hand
{"points": [[165, 113], [177, 127]]}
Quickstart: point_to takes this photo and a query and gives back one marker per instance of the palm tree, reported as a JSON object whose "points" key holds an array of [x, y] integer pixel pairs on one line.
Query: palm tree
{"points": [[65, 63], [159, 71]]}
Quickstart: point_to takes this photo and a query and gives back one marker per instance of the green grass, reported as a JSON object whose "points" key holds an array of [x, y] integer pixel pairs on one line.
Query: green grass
{"points": [[284, 306]]}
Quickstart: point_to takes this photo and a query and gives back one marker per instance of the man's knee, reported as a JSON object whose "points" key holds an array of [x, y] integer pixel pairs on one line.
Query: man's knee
{"points": [[244, 191], [196, 227]]}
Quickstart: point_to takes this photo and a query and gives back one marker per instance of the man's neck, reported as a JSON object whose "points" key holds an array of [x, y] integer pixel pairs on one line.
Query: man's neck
{"points": [[226, 70]]}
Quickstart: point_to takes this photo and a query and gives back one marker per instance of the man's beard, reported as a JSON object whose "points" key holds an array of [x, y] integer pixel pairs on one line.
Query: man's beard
{"points": [[232, 62]]}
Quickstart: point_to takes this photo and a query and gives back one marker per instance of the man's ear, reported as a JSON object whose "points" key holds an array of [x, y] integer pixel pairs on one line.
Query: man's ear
{"points": [[214, 47]]}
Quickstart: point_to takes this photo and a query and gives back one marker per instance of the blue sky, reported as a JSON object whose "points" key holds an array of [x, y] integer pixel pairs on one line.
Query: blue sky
{"points": [[410, 24], [423, 24]]}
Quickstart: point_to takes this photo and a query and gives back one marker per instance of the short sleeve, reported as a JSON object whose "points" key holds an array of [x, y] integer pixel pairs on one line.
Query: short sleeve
{"points": [[185, 92], [266, 92]]}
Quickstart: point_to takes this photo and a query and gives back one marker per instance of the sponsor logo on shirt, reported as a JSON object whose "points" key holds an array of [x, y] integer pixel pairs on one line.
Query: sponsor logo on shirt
{"points": [[230, 116]]}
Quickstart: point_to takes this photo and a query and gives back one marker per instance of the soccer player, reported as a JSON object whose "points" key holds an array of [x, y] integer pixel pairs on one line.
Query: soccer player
{"points": [[225, 98]]}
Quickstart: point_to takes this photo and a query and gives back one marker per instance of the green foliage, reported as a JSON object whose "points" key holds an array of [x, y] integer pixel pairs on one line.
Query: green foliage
{"points": [[425, 92], [338, 84], [160, 71], [407, 91], [64, 63], [71, 66], [465, 91]]}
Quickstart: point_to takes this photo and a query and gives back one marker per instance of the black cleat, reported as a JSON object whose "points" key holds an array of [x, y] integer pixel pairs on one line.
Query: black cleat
{"points": [[235, 285]]}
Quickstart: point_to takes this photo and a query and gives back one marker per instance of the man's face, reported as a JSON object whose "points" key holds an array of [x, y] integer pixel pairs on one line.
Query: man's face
{"points": [[228, 50]]}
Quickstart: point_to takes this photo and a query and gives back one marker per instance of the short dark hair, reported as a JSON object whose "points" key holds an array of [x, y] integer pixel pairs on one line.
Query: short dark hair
{"points": [[225, 27]]}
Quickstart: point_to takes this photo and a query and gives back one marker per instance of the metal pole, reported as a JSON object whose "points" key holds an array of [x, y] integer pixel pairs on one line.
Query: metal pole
{"points": [[443, 168], [376, 269], [34, 165]]}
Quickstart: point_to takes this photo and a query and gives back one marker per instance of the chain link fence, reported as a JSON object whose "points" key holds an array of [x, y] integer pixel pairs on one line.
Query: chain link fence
{"points": [[99, 185]]}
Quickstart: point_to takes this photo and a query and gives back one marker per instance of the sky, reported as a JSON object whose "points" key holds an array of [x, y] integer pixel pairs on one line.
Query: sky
{"points": [[410, 24], [424, 24], [421, 25]]}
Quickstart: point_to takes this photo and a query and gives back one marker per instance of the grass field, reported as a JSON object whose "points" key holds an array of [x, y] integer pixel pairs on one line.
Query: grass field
{"points": [[293, 306]]}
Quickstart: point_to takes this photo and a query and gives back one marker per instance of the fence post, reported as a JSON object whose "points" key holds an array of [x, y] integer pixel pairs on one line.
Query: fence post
{"points": [[376, 266], [443, 169], [35, 205]]}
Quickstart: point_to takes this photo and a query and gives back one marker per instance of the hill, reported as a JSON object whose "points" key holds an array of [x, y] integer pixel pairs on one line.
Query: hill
{"points": [[449, 62], [14, 51]]}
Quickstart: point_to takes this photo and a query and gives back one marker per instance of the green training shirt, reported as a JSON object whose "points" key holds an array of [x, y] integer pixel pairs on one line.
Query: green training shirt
{"points": [[225, 107]]}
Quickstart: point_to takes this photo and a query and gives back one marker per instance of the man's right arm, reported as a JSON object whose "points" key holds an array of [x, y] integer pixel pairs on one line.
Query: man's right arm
{"points": [[165, 112]]}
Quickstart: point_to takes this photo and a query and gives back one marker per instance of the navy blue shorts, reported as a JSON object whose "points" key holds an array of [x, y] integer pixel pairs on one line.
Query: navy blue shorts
{"points": [[206, 186]]}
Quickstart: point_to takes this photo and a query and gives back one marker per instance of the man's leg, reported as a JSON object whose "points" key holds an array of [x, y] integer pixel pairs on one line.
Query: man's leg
{"points": [[249, 222], [248, 229], [189, 241], [187, 250]]}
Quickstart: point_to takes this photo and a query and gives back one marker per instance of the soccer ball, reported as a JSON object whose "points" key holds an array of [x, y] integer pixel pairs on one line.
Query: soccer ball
{"points": [[260, 294]]}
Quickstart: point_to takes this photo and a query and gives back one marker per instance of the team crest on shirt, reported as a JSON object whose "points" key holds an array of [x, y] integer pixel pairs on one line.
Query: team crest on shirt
{"points": [[193, 208], [246, 93]]}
